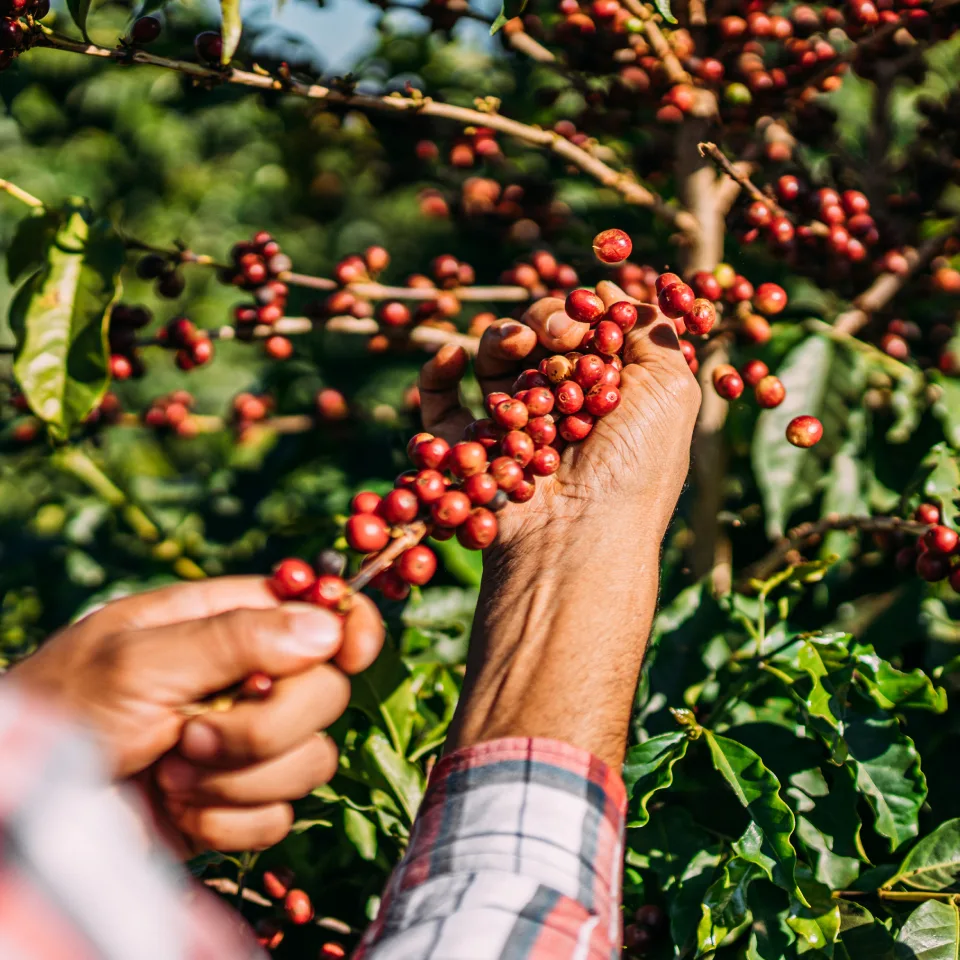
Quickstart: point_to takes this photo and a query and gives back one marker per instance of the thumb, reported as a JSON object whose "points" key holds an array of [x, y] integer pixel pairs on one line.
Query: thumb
{"points": [[555, 330], [180, 663], [610, 294]]}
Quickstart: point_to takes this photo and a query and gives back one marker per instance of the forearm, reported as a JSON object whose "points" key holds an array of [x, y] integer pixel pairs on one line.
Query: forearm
{"points": [[559, 636]]}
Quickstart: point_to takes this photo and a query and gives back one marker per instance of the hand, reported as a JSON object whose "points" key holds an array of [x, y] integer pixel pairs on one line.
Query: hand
{"points": [[569, 589], [128, 669]]}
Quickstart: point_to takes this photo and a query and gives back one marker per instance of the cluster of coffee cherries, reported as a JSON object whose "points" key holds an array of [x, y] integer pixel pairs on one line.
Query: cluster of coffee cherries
{"points": [[193, 346], [248, 408], [522, 214], [278, 885], [543, 276], [936, 553], [172, 412], [14, 33], [649, 924], [170, 282], [477, 143], [258, 265], [125, 321]]}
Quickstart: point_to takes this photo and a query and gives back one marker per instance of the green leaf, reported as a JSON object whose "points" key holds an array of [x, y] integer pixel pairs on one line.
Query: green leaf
{"points": [[59, 317], [508, 10], [361, 832], [947, 406], [663, 8], [79, 10], [934, 863], [384, 692], [778, 465], [649, 768], [844, 495], [942, 482], [231, 29], [402, 777], [932, 932], [863, 936], [724, 910], [27, 252], [892, 689], [758, 790], [466, 565], [817, 924]]}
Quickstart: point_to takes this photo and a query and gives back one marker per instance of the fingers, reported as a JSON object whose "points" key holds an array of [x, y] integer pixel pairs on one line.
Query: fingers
{"points": [[443, 413], [654, 336], [253, 731], [363, 635], [233, 828], [555, 330], [504, 347], [287, 777]]}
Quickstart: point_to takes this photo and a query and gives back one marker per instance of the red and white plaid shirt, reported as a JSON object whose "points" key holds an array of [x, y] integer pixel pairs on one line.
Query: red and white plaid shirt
{"points": [[516, 852]]}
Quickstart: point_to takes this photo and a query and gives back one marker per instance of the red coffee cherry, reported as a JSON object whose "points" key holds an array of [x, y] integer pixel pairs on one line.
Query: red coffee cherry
{"points": [[268, 934], [485, 432], [941, 539], [758, 214], [753, 372], [576, 426], [332, 951], [706, 285], [927, 513], [291, 578], [624, 314], [607, 337], [636, 939], [701, 317], [329, 592], [805, 431], [588, 370], [611, 375], [770, 392], [525, 490], [729, 386], [145, 30], [399, 506], [770, 298], [277, 882], [569, 397], [430, 454], [493, 400], [451, 509], [416, 565], [539, 401], [740, 289], [894, 346], [467, 458], [507, 472], [479, 529], [601, 400], [377, 259], [511, 415], [366, 533], [612, 246], [365, 502], [542, 430], [298, 907], [584, 305], [854, 202], [932, 567], [429, 486], [392, 313], [391, 585], [530, 380], [518, 446], [331, 404], [278, 348], [676, 300], [755, 329], [481, 488], [664, 280], [781, 231]]}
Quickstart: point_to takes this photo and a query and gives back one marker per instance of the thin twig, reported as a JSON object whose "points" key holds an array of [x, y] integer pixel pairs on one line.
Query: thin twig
{"points": [[622, 181], [229, 888], [410, 536], [28, 198], [736, 172], [658, 42]]}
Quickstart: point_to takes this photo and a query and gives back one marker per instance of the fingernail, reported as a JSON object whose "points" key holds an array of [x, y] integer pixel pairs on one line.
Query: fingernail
{"points": [[558, 324], [313, 632], [510, 329], [176, 775], [199, 741]]}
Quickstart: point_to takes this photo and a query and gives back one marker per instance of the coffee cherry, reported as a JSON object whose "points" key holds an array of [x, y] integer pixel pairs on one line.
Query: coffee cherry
{"points": [[569, 397], [612, 246], [365, 502], [676, 300], [584, 305], [331, 404], [479, 529], [377, 259], [399, 507], [542, 430], [151, 266], [701, 317], [546, 461], [392, 586], [481, 488], [530, 380], [664, 280], [331, 562], [770, 298], [430, 454], [637, 939], [485, 432], [927, 513], [588, 371], [753, 372], [171, 285], [511, 415], [416, 565], [607, 338], [804, 431], [278, 348], [429, 485], [208, 46], [576, 426], [932, 567], [770, 392], [611, 375], [518, 446], [267, 934], [941, 539], [393, 313], [332, 951], [451, 509], [120, 367], [493, 400], [201, 350], [466, 459], [755, 329], [557, 368], [729, 386], [623, 314], [366, 533], [328, 592], [706, 285], [601, 400], [524, 491], [507, 472], [781, 231], [277, 883], [298, 907], [291, 578], [145, 30]]}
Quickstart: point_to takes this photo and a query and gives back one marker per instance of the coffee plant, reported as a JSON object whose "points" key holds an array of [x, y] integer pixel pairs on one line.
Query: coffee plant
{"points": [[224, 269]]}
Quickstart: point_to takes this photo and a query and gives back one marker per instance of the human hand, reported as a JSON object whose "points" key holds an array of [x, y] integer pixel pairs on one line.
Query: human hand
{"points": [[130, 668]]}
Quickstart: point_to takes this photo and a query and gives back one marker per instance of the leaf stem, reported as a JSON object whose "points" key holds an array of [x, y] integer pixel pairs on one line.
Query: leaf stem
{"points": [[28, 198]]}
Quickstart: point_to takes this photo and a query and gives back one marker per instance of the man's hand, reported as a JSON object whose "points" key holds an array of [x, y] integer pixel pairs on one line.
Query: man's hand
{"points": [[569, 589], [128, 669]]}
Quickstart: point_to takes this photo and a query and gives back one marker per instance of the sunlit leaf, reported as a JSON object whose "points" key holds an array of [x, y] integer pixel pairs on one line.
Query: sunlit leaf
{"points": [[231, 29], [934, 863], [931, 932], [649, 767]]}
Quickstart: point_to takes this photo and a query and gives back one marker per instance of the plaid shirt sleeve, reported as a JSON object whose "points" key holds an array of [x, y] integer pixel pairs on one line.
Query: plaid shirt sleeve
{"points": [[516, 853], [77, 878]]}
